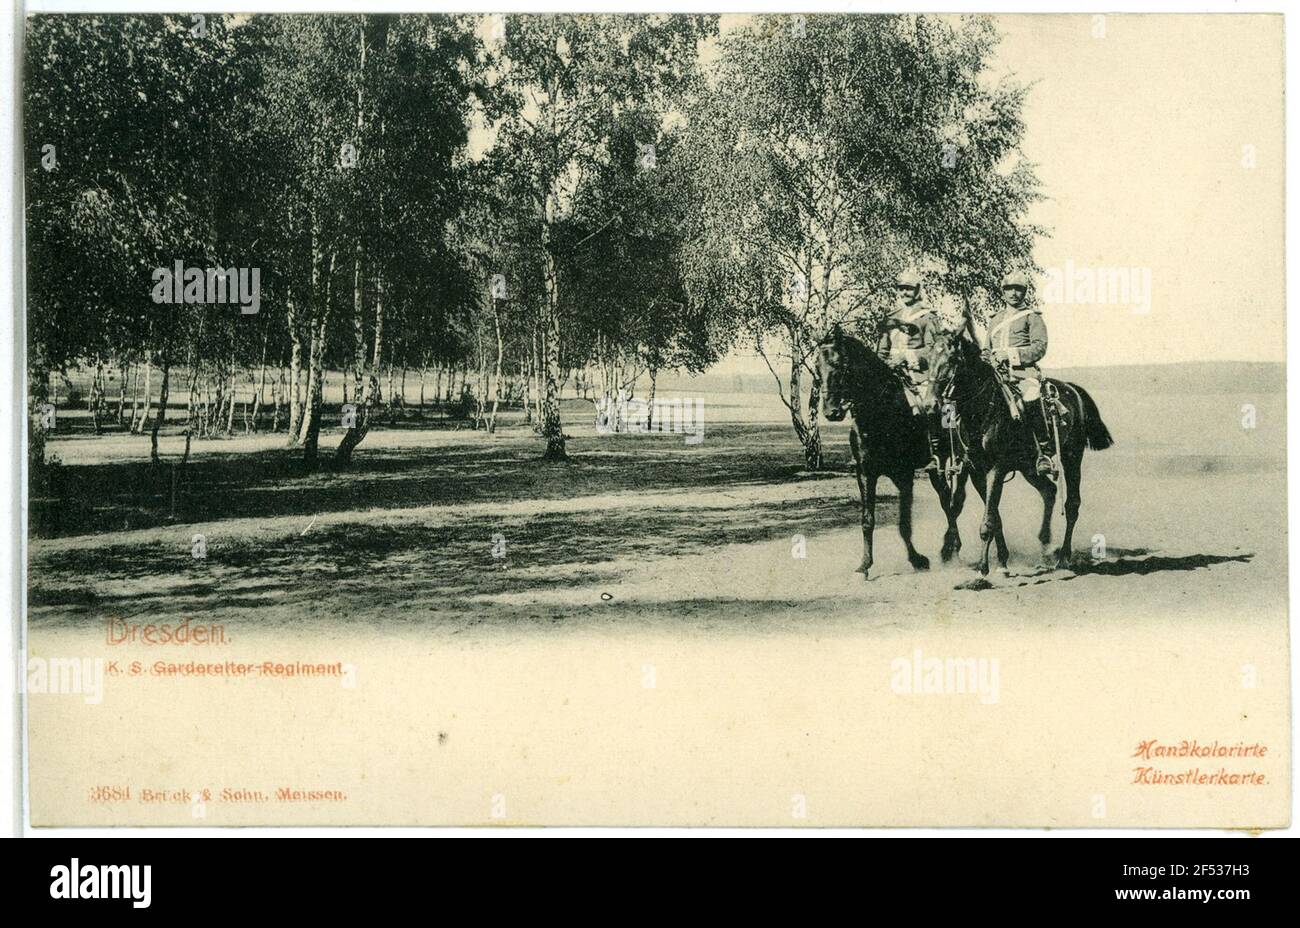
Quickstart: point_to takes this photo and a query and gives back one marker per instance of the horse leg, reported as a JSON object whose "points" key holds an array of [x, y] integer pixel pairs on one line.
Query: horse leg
{"points": [[1047, 490], [991, 527], [1072, 468], [980, 479], [1000, 539], [867, 492], [1001, 542], [867, 487], [952, 503], [904, 481]]}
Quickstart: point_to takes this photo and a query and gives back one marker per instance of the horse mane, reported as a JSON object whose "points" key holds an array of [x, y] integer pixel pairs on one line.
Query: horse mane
{"points": [[865, 365], [970, 354], [857, 351], [979, 378]]}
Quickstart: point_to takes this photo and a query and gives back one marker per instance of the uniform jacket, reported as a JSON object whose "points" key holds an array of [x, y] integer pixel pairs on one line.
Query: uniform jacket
{"points": [[910, 329], [1019, 334]]}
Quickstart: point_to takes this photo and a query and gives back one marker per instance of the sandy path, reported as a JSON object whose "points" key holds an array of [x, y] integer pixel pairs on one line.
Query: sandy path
{"points": [[746, 686]]}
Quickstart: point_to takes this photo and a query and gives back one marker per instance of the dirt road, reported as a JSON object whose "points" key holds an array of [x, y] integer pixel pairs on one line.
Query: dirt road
{"points": [[660, 654]]}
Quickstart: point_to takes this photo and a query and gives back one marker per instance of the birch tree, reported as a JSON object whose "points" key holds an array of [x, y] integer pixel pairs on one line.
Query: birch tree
{"points": [[568, 77], [826, 159]]}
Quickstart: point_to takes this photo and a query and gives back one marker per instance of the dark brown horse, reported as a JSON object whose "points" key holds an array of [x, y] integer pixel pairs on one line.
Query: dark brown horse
{"points": [[998, 445], [887, 440]]}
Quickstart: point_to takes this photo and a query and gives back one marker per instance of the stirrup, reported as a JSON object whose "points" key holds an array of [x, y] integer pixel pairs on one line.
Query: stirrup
{"points": [[1044, 465]]}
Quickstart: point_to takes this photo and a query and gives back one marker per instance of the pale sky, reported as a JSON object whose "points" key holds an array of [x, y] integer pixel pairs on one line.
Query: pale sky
{"points": [[1139, 139], [1142, 136]]}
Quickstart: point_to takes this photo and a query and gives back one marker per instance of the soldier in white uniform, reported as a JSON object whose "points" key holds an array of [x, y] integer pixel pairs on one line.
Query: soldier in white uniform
{"points": [[1018, 341], [904, 337]]}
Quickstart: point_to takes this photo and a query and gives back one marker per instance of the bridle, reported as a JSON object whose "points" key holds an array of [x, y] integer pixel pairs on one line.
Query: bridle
{"points": [[950, 388], [866, 391], [980, 394], [959, 446]]}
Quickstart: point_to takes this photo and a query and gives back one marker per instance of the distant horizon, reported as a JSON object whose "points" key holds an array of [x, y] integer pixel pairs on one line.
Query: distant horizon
{"points": [[753, 365]]}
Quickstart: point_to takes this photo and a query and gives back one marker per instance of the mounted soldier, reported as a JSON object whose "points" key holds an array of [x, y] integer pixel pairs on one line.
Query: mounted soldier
{"points": [[1017, 341], [904, 338]]}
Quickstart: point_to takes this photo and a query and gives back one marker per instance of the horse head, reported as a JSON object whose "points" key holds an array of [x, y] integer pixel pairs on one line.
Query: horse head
{"points": [[835, 368], [951, 353]]}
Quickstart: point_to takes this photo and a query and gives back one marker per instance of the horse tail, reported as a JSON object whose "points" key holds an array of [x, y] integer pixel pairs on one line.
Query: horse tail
{"points": [[1095, 430]]}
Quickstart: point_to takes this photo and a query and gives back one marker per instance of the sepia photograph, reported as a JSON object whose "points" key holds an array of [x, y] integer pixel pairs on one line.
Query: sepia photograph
{"points": [[835, 419]]}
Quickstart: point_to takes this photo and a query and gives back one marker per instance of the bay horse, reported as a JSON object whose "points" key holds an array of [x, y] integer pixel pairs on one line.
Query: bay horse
{"points": [[998, 445], [887, 439]]}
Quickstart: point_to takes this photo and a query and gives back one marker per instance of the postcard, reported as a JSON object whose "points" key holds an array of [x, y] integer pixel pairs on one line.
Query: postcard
{"points": [[813, 419]]}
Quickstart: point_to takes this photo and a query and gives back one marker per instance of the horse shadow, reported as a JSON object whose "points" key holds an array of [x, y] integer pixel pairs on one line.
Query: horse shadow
{"points": [[1122, 562], [1141, 566]]}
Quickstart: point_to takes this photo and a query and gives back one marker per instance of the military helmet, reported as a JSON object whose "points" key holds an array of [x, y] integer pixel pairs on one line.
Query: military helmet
{"points": [[908, 278], [1016, 279]]}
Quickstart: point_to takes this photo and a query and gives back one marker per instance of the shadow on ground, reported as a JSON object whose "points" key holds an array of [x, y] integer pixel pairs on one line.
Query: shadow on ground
{"points": [[406, 563], [99, 498], [1135, 562], [1141, 566]]}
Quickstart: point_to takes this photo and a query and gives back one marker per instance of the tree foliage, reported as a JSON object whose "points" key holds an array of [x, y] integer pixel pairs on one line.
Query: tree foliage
{"points": [[568, 196]]}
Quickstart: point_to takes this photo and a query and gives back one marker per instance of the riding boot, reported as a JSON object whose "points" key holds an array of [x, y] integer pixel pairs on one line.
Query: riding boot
{"points": [[1042, 437], [933, 464]]}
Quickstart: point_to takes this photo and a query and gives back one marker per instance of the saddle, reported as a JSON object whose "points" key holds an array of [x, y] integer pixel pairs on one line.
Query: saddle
{"points": [[1050, 396], [1010, 392], [911, 380], [1052, 403]]}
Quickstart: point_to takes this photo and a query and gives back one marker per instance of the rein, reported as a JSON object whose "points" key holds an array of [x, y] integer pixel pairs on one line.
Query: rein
{"points": [[950, 389], [957, 436]]}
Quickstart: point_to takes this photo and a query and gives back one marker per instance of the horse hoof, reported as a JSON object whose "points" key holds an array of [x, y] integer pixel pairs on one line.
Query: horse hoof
{"points": [[920, 562], [862, 569], [1004, 572]]}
